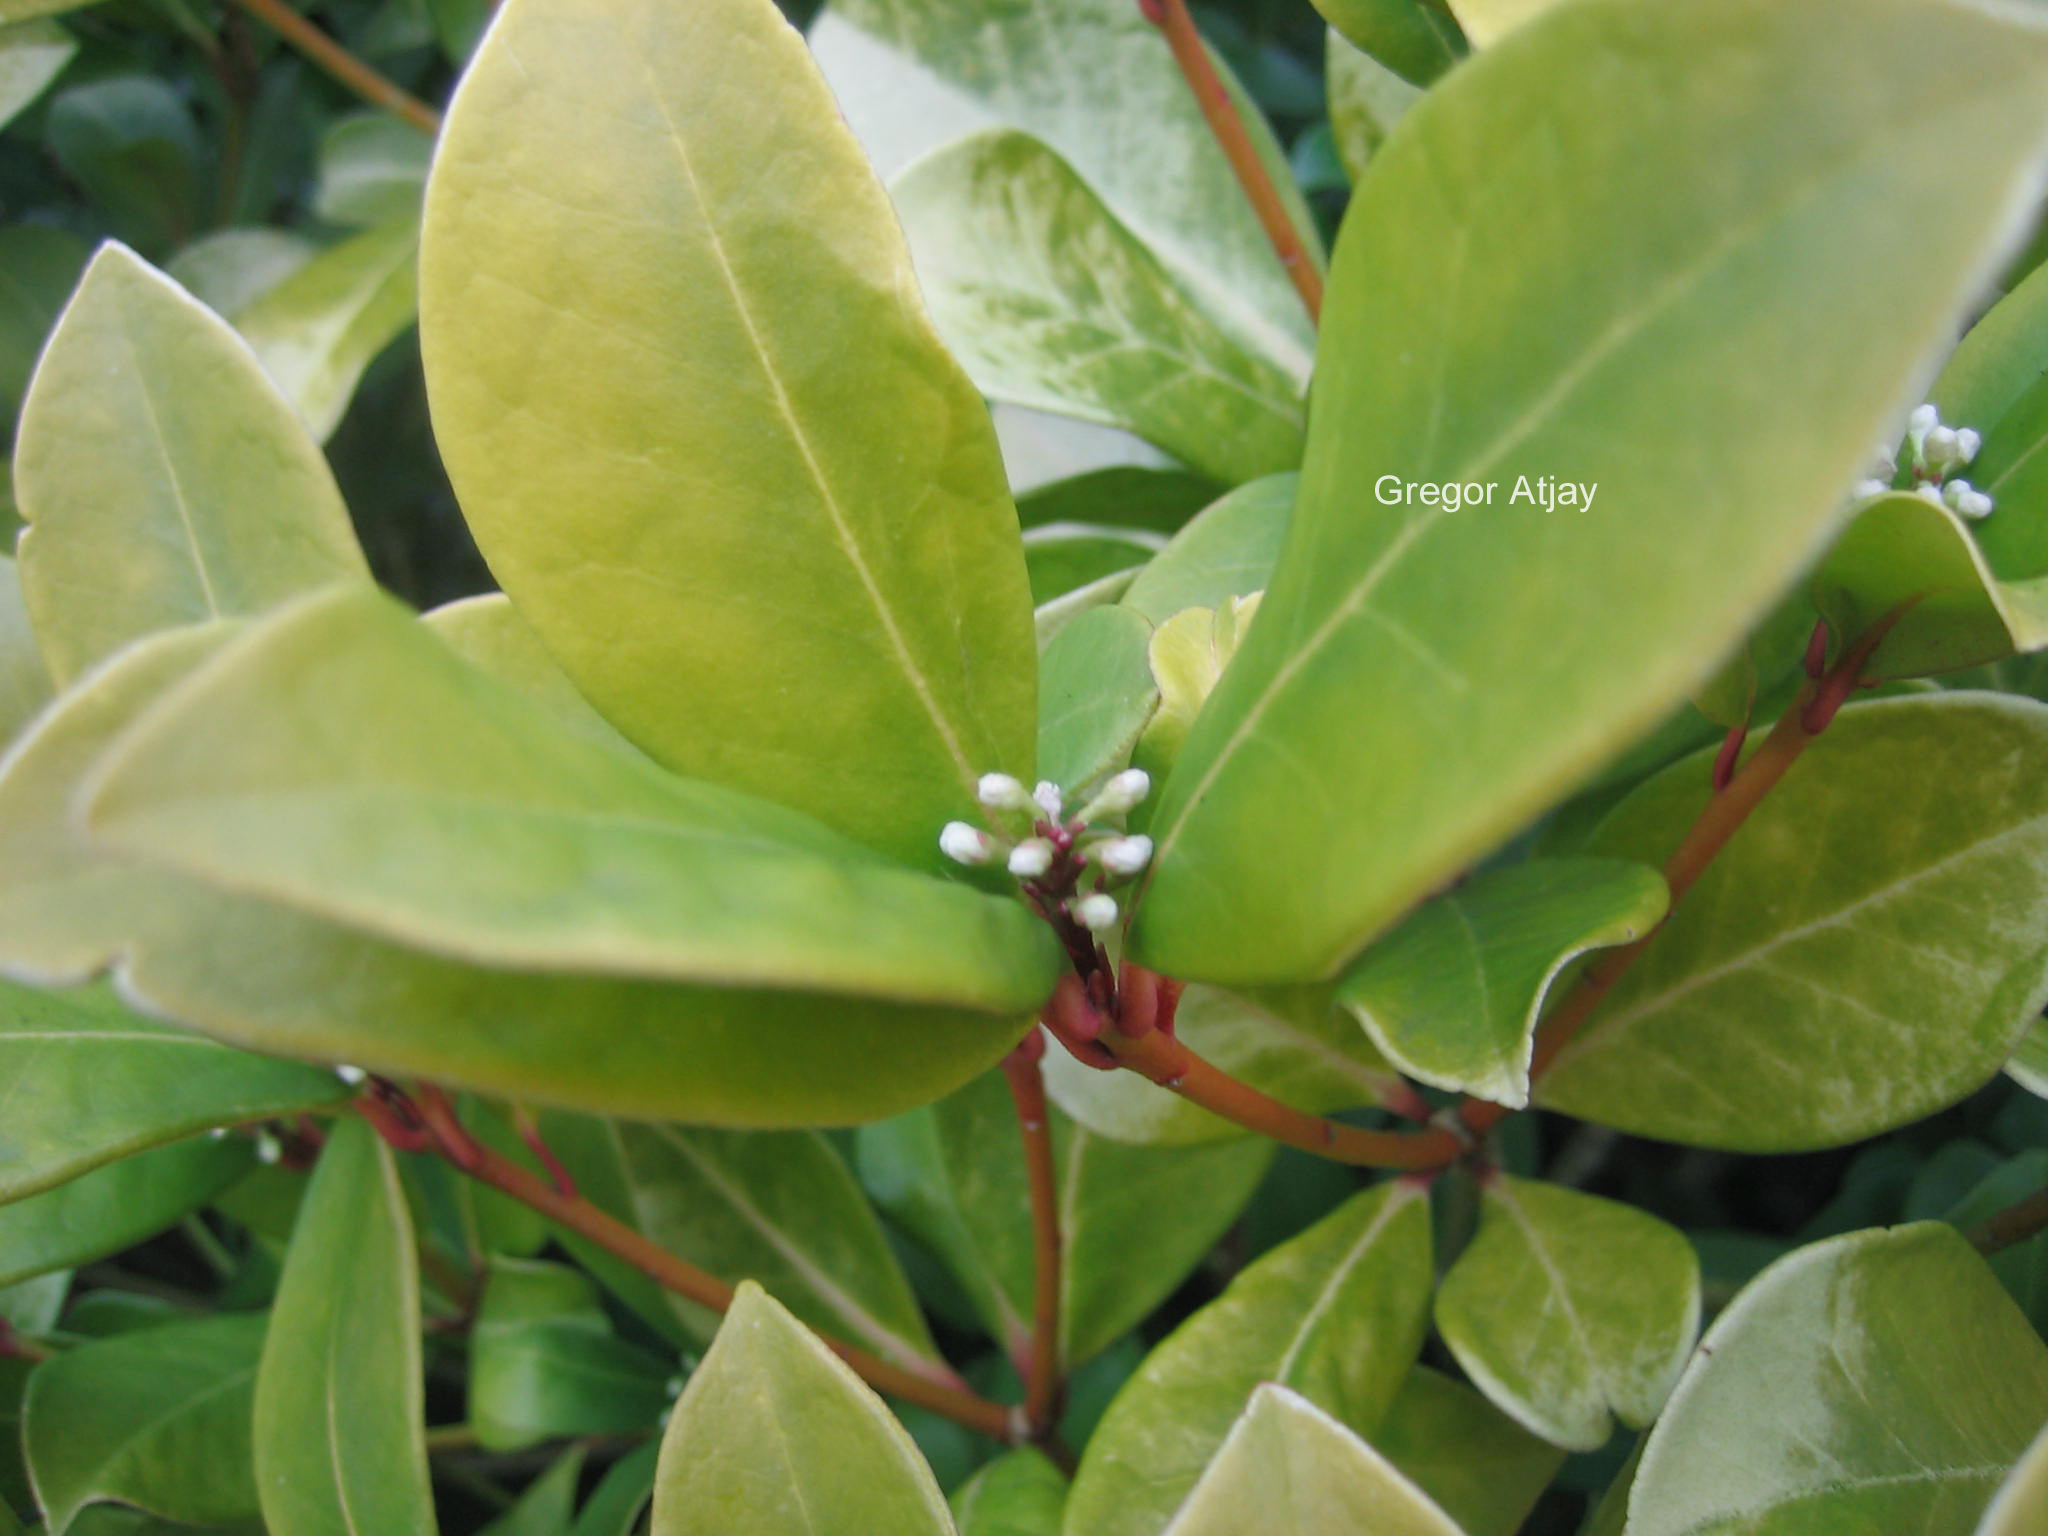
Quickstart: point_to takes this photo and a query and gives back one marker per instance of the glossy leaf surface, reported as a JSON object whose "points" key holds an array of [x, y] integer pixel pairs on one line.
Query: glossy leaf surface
{"points": [[1913, 1383], [1707, 214], [709, 441], [1336, 1313], [88, 1082], [1415, 39], [343, 760], [1288, 1465], [340, 1395], [1567, 1307], [774, 1434], [1452, 995], [111, 1208], [277, 980], [157, 1419], [1226, 550], [1050, 301], [31, 55], [1857, 981], [1020, 1493], [1480, 1466], [1090, 79], [164, 479], [1095, 693]]}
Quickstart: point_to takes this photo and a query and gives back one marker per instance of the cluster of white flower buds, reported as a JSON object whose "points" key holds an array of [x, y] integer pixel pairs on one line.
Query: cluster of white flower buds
{"points": [[1938, 451], [1054, 854]]}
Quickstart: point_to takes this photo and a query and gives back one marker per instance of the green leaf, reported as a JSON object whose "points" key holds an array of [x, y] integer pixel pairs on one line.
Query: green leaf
{"points": [[157, 1419], [88, 1079], [282, 982], [1095, 693], [459, 25], [1135, 1220], [1902, 550], [1486, 22], [1867, 949], [1188, 655], [774, 1434], [1226, 551], [1567, 1307], [2000, 361], [32, 54], [2021, 1505], [12, 11], [131, 143], [1709, 215], [1063, 557], [709, 441], [1415, 39], [489, 633], [115, 1207], [339, 1396], [1050, 618], [373, 170], [614, 1508], [1292, 1045], [1050, 301], [318, 329], [781, 1209], [1091, 79], [164, 479], [1910, 1384], [1452, 996], [1020, 1493], [544, 1362], [1366, 100], [1336, 1314], [548, 1505], [1121, 495], [341, 759], [1288, 1465], [1480, 1466], [229, 270], [24, 680]]}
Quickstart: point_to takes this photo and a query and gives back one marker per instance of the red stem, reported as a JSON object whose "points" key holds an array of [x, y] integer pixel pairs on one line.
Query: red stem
{"points": [[1235, 139], [1043, 1386]]}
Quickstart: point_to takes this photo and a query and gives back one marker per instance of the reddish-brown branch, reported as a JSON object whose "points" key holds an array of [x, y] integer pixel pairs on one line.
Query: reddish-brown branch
{"points": [[2011, 1226], [1730, 806], [1228, 125], [1042, 1384], [947, 1396], [343, 65]]}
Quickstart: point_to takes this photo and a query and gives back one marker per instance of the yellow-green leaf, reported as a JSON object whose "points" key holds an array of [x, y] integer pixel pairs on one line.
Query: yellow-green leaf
{"points": [[701, 426], [164, 479]]}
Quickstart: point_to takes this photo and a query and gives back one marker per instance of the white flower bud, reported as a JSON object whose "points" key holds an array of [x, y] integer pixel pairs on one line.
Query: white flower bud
{"points": [[1968, 441], [1000, 792], [1930, 493], [1031, 858], [1120, 794], [1925, 419], [268, 1148], [966, 845], [1095, 912], [1124, 855], [350, 1075], [1965, 500], [1938, 451], [1865, 489], [1049, 799]]}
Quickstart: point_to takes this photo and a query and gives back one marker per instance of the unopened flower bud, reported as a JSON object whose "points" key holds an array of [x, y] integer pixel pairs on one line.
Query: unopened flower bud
{"points": [[268, 1148], [1865, 489], [964, 844], [1031, 858], [1931, 493], [350, 1075], [1124, 855], [1049, 798], [1123, 792], [1095, 912], [1938, 451], [1968, 441], [1965, 500], [1925, 419], [1000, 792]]}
